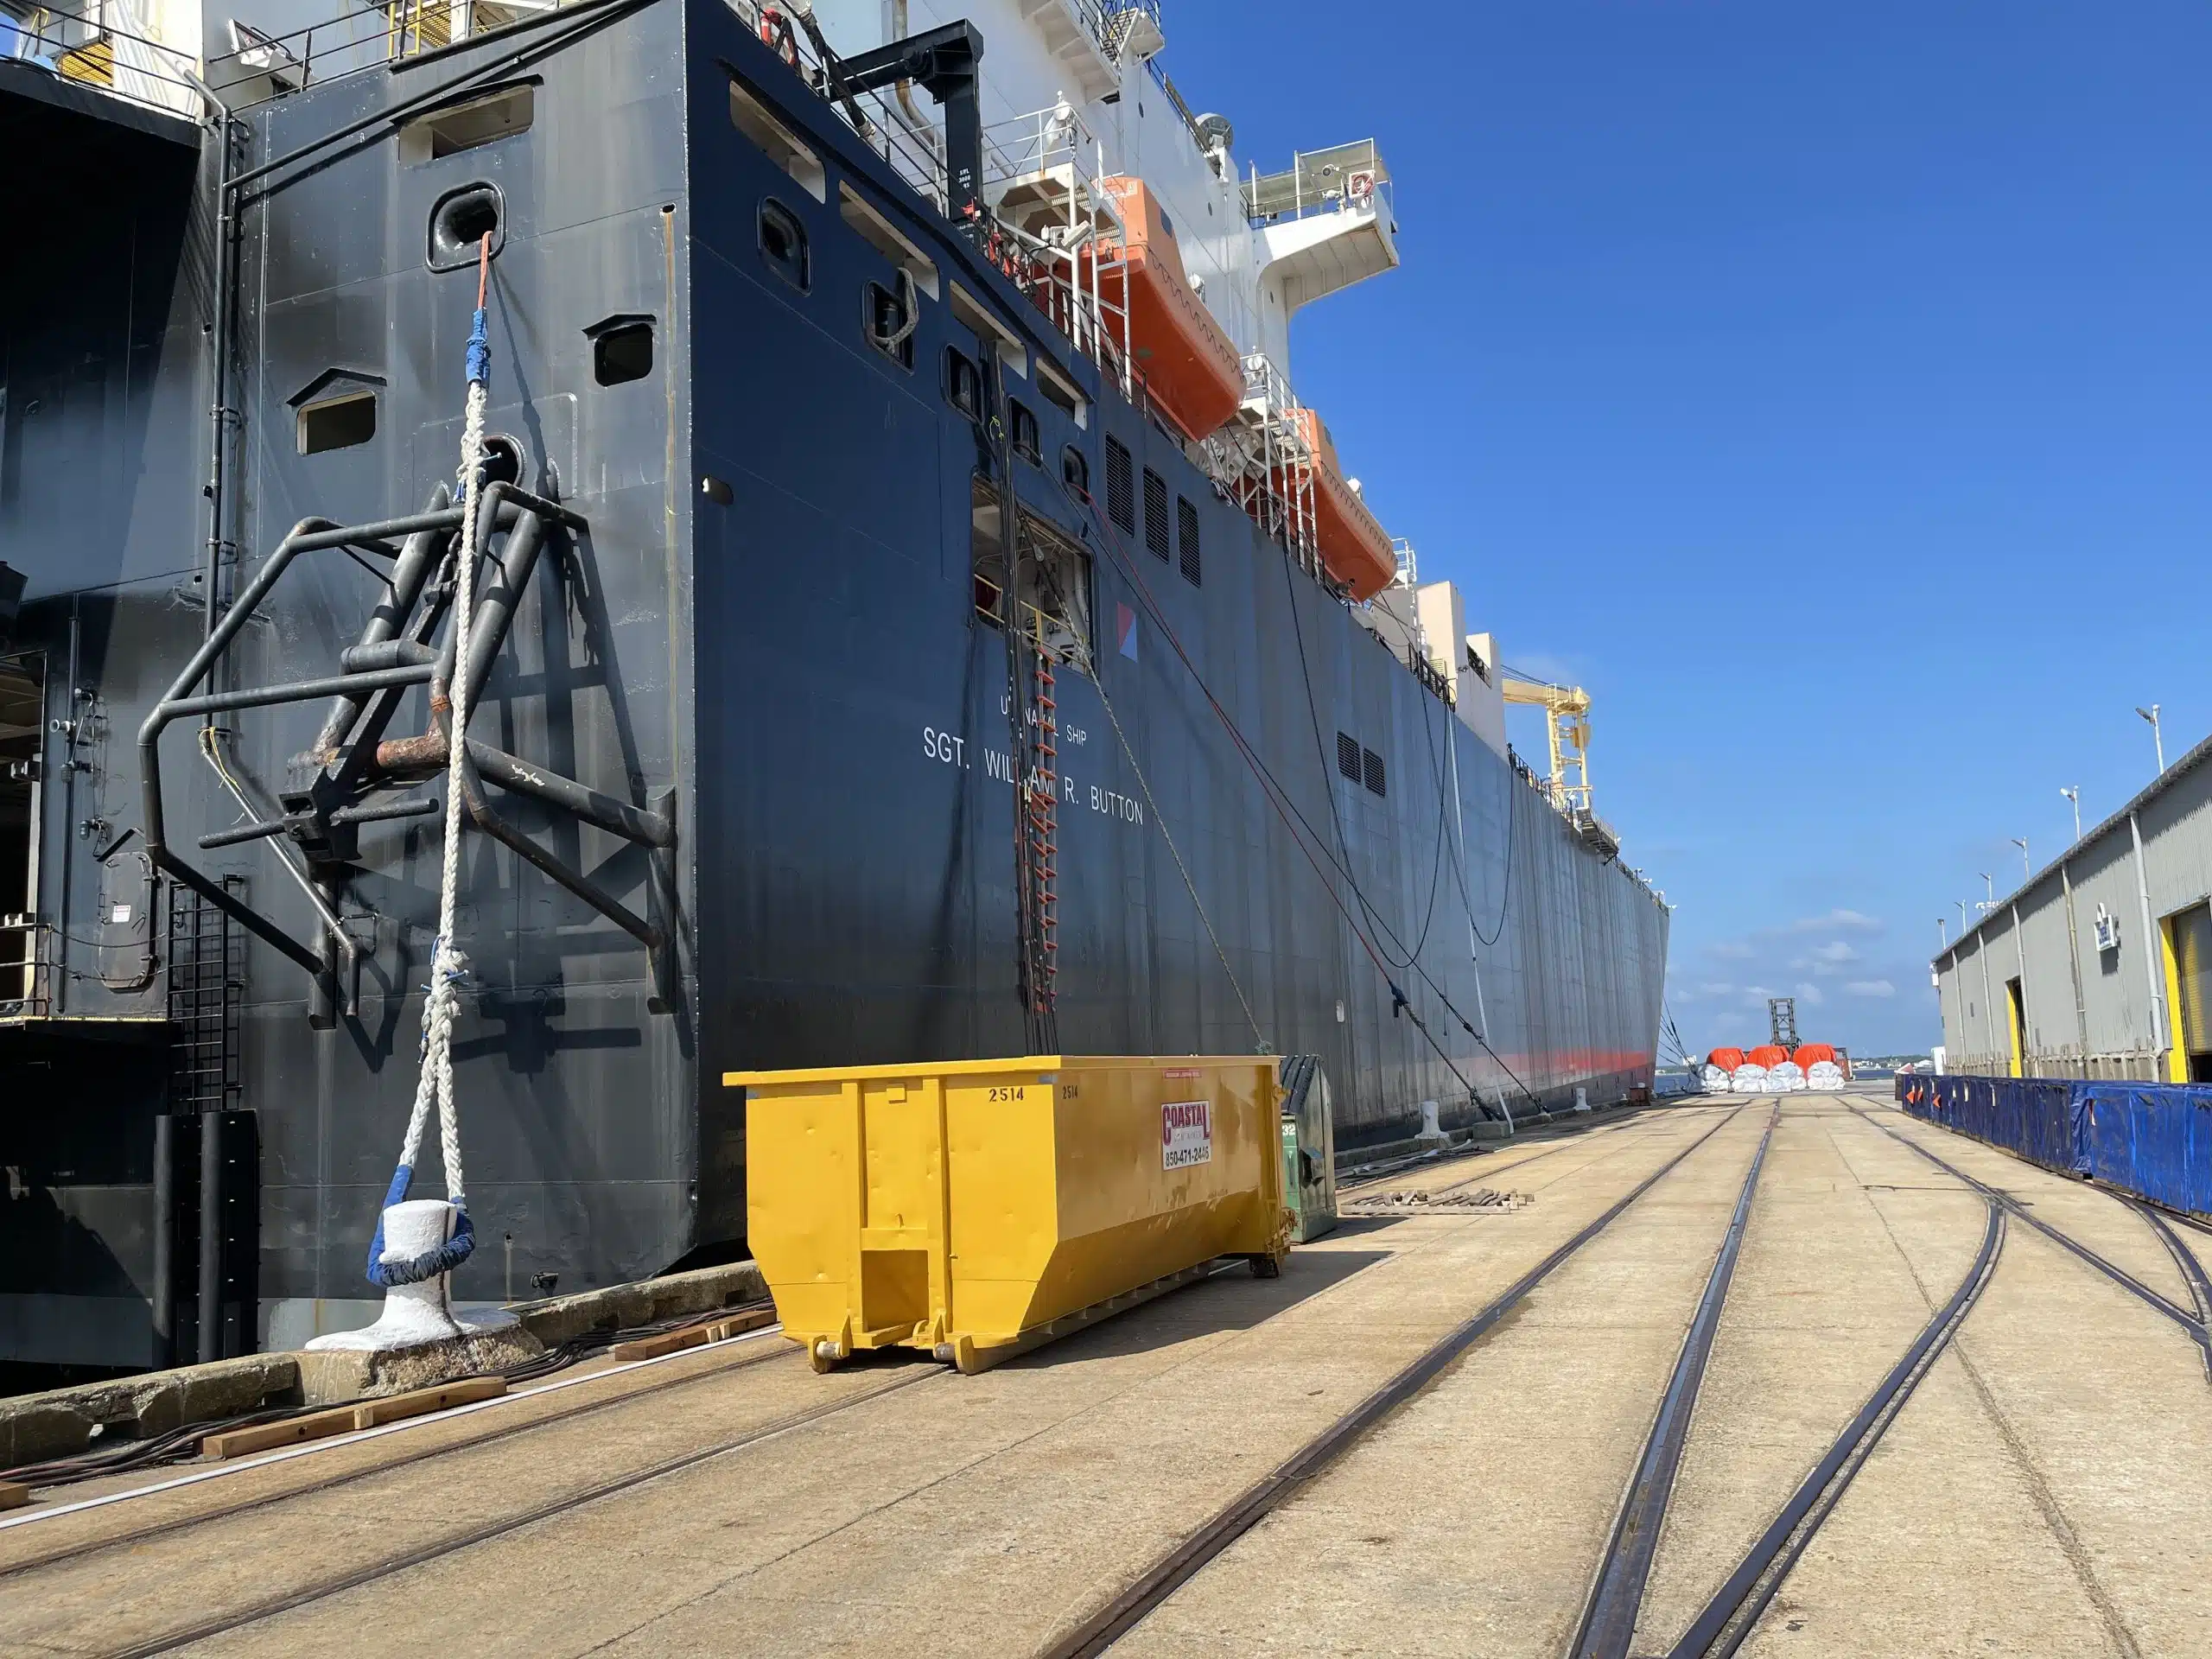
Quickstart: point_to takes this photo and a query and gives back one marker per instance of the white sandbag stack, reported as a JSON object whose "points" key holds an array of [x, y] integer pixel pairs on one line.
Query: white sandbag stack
{"points": [[1715, 1080], [1749, 1079], [1825, 1076], [1786, 1078]]}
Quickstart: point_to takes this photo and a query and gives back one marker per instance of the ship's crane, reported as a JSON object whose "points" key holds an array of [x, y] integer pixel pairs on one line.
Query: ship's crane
{"points": [[1567, 723]]}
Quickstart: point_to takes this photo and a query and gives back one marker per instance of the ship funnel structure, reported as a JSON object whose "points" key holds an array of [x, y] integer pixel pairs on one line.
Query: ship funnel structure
{"points": [[354, 773]]}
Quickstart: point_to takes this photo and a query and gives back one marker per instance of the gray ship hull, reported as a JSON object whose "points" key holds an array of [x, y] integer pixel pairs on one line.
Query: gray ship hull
{"points": [[767, 630]]}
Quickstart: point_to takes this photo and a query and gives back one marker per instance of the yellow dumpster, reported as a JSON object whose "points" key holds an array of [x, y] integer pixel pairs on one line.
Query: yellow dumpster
{"points": [[976, 1208]]}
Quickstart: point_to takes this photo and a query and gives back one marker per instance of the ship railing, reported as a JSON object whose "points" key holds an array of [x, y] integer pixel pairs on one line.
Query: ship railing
{"points": [[1043, 177], [1408, 563], [104, 46], [1345, 176], [26, 972], [1263, 462], [890, 121]]}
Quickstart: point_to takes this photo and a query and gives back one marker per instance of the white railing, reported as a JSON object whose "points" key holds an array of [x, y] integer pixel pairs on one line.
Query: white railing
{"points": [[1318, 182], [103, 45]]}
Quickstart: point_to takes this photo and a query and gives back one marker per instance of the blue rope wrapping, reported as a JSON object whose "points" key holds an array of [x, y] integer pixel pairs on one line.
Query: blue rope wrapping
{"points": [[443, 1259], [479, 354]]}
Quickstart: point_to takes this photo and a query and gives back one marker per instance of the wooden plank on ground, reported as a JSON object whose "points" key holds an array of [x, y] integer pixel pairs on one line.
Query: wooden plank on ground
{"points": [[264, 1437], [393, 1407], [343, 1420], [669, 1342], [12, 1496], [692, 1336], [738, 1324]]}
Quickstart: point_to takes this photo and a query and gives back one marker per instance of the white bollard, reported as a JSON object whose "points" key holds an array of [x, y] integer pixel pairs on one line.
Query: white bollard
{"points": [[416, 1313], [1432, 1132], [1581, 1098]]}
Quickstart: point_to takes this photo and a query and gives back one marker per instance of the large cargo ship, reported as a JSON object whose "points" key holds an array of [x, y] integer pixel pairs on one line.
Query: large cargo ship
{"points": [[917, 619]]}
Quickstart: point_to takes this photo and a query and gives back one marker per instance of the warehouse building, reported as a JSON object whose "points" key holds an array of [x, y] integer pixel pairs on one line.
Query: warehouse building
{"points": [[2101, 965]]}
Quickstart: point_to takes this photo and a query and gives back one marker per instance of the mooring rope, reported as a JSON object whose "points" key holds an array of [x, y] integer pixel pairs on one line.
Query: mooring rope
{"points": [[448, 966]]}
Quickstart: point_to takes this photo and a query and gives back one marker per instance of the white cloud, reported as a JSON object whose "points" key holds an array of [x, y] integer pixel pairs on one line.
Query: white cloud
{"points": [[1730, 950], [1835, 952], [1844, 921], [1809, 994], [1870, 987]]}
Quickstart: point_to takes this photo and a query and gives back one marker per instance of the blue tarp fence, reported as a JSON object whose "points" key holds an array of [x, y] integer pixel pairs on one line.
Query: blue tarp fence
{"points": [[2153, 1139]]}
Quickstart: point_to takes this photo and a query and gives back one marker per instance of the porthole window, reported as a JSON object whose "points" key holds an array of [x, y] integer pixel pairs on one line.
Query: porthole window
{"points": [[783, 245], [889, 315], [1021, 424], [964, 383]]}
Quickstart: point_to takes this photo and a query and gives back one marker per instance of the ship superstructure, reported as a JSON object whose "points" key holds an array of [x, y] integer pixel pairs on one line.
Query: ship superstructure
{"points": [[921, 620]]}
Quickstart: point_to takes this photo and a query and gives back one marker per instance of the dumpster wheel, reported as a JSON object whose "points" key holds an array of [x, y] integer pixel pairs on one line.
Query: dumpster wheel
{"points": [[1266, 1266]]}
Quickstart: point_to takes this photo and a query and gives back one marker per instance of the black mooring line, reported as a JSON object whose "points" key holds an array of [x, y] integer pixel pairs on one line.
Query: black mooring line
{"points": [[1729, 1616], [1172, 1571], [1609, 1620], [2192, 1273], [430, 1552], [2120, 1275]]}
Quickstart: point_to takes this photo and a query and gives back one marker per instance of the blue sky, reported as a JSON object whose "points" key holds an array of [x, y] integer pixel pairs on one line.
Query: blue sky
{"points": [[1828, 389]]}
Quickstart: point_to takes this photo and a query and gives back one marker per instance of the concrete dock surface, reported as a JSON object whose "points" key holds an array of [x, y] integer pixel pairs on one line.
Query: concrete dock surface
{"points": [[2045, 1487]]}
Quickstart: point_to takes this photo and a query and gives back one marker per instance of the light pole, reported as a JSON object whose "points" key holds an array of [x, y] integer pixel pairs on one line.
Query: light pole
{"points": [[2074, 796], [1989, 887], [1962, 903], [2157, 738], [2026, 869], [1943, 933]]}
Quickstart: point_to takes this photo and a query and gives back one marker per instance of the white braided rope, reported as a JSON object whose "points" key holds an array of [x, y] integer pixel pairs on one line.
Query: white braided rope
{"points": [[448, 964]]}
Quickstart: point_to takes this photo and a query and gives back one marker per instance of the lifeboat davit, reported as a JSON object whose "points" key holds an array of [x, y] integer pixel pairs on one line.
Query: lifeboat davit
{"points": [[1355, 548], [1189, 366]]}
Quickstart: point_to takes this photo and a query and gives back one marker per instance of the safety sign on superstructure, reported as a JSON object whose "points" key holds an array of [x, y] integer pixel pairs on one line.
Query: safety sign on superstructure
{"points": [[1185, 1134]]}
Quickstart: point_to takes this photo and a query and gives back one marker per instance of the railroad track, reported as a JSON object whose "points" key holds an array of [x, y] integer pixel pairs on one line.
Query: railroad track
{"points": [[2193, 1324], [768, 1351], [1177, 1566], [1607, 1628], [468, 1538], [1566, 1136]]}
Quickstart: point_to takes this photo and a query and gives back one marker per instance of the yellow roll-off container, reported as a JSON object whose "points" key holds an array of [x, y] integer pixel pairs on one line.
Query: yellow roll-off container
{"points": [[976, 1208]]}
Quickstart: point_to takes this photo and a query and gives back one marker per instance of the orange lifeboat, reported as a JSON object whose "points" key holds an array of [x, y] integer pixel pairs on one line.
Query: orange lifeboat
{"points": [[1354, 546], [1189, 366]]}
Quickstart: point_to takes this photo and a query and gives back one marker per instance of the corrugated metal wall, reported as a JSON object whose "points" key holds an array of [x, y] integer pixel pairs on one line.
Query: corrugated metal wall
{"points": [[2090, 1012]]}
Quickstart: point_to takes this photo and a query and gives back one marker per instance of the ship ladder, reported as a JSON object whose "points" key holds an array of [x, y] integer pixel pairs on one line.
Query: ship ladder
{"points": [[1044, 788]]}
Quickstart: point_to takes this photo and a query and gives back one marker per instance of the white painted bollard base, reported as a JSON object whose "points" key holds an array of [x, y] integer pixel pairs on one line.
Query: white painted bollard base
{"points": [[414, 1314], [1431, 1130]]}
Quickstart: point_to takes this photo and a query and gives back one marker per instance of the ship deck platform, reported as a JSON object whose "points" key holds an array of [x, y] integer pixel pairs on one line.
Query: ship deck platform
{"points": [[1782, 1375]]}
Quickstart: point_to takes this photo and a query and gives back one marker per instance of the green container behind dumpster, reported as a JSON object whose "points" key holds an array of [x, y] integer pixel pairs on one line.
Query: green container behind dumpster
{"points": [[1309, 1148]]}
